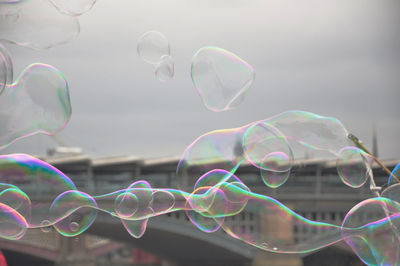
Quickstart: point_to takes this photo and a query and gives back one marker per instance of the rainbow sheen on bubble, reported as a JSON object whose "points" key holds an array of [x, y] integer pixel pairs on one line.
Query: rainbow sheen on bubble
{"points": [[212, 194], [37, 102], [272, 145], [221, 78], [375, 237], [36, 24]]}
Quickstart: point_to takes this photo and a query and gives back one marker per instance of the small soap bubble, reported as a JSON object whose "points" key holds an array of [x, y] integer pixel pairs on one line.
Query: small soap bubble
{"points": [[352, 166], [126, 204], [45, 226], [152, 46], [74, 226], [221, 78], [165, 69]]}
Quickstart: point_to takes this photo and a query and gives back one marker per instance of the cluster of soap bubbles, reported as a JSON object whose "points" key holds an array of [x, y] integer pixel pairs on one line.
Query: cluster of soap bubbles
{"points": [[41, 24], [153, 47], [210, 192], [270, 145], [274, 145], [36, 102]]}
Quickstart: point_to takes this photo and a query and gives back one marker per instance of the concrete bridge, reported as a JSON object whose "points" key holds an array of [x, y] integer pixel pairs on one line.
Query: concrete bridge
{"points": [[315, 191]]}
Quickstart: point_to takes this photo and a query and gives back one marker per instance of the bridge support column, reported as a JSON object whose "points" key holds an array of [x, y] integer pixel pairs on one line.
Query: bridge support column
{"points": [[273, 225], [73, 252]]}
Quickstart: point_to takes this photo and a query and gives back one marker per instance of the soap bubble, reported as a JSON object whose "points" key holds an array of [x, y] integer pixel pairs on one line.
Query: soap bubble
{"points": [[12, 224], [267, 148], [126, 204], [6, 68], [74, 211], [37, 102], [375, 238], [152, 46], [352, 166], [162, 201], [74, 226], [272, 145], [45, 226], [165, 69], [36, 24], [39, 178], [221, 78], [73, 7]]}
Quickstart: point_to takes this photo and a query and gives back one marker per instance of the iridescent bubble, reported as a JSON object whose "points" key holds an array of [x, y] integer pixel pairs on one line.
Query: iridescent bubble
{"points": [[375, 237], [73, 7], [126, 204], [272, 145], [221, 78], [267, 148], [74, 211], [6, 68], [136, 225], [162, 201], [38, 178], [152, 47], [352, 166], [37, 25], [12, 224], [165, 69], [37, 102]]}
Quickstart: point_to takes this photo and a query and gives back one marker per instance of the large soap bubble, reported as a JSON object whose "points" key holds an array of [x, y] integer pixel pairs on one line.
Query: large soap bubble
{"points": [[221, 78], [36, 24], [272, 145], [37, 102], [73, 7]]}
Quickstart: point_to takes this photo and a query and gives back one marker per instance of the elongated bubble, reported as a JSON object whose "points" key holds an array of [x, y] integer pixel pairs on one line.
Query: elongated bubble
{"points": [[153, 46], [221, 78], [37, 102], [6, 68], [272, 145], [73, 7], [36, 24]]}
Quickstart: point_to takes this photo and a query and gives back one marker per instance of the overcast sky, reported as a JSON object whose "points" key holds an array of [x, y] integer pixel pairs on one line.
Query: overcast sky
{"points": [[336, 58]]}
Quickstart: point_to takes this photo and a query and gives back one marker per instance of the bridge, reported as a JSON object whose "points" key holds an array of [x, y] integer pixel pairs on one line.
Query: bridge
{"points": [[314, 190]]}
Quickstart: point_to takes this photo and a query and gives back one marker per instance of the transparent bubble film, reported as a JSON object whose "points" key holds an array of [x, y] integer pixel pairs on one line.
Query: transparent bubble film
{"points": [[212, 194], [37, 102], [37, 24], [221, 78], [153, 48]]}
